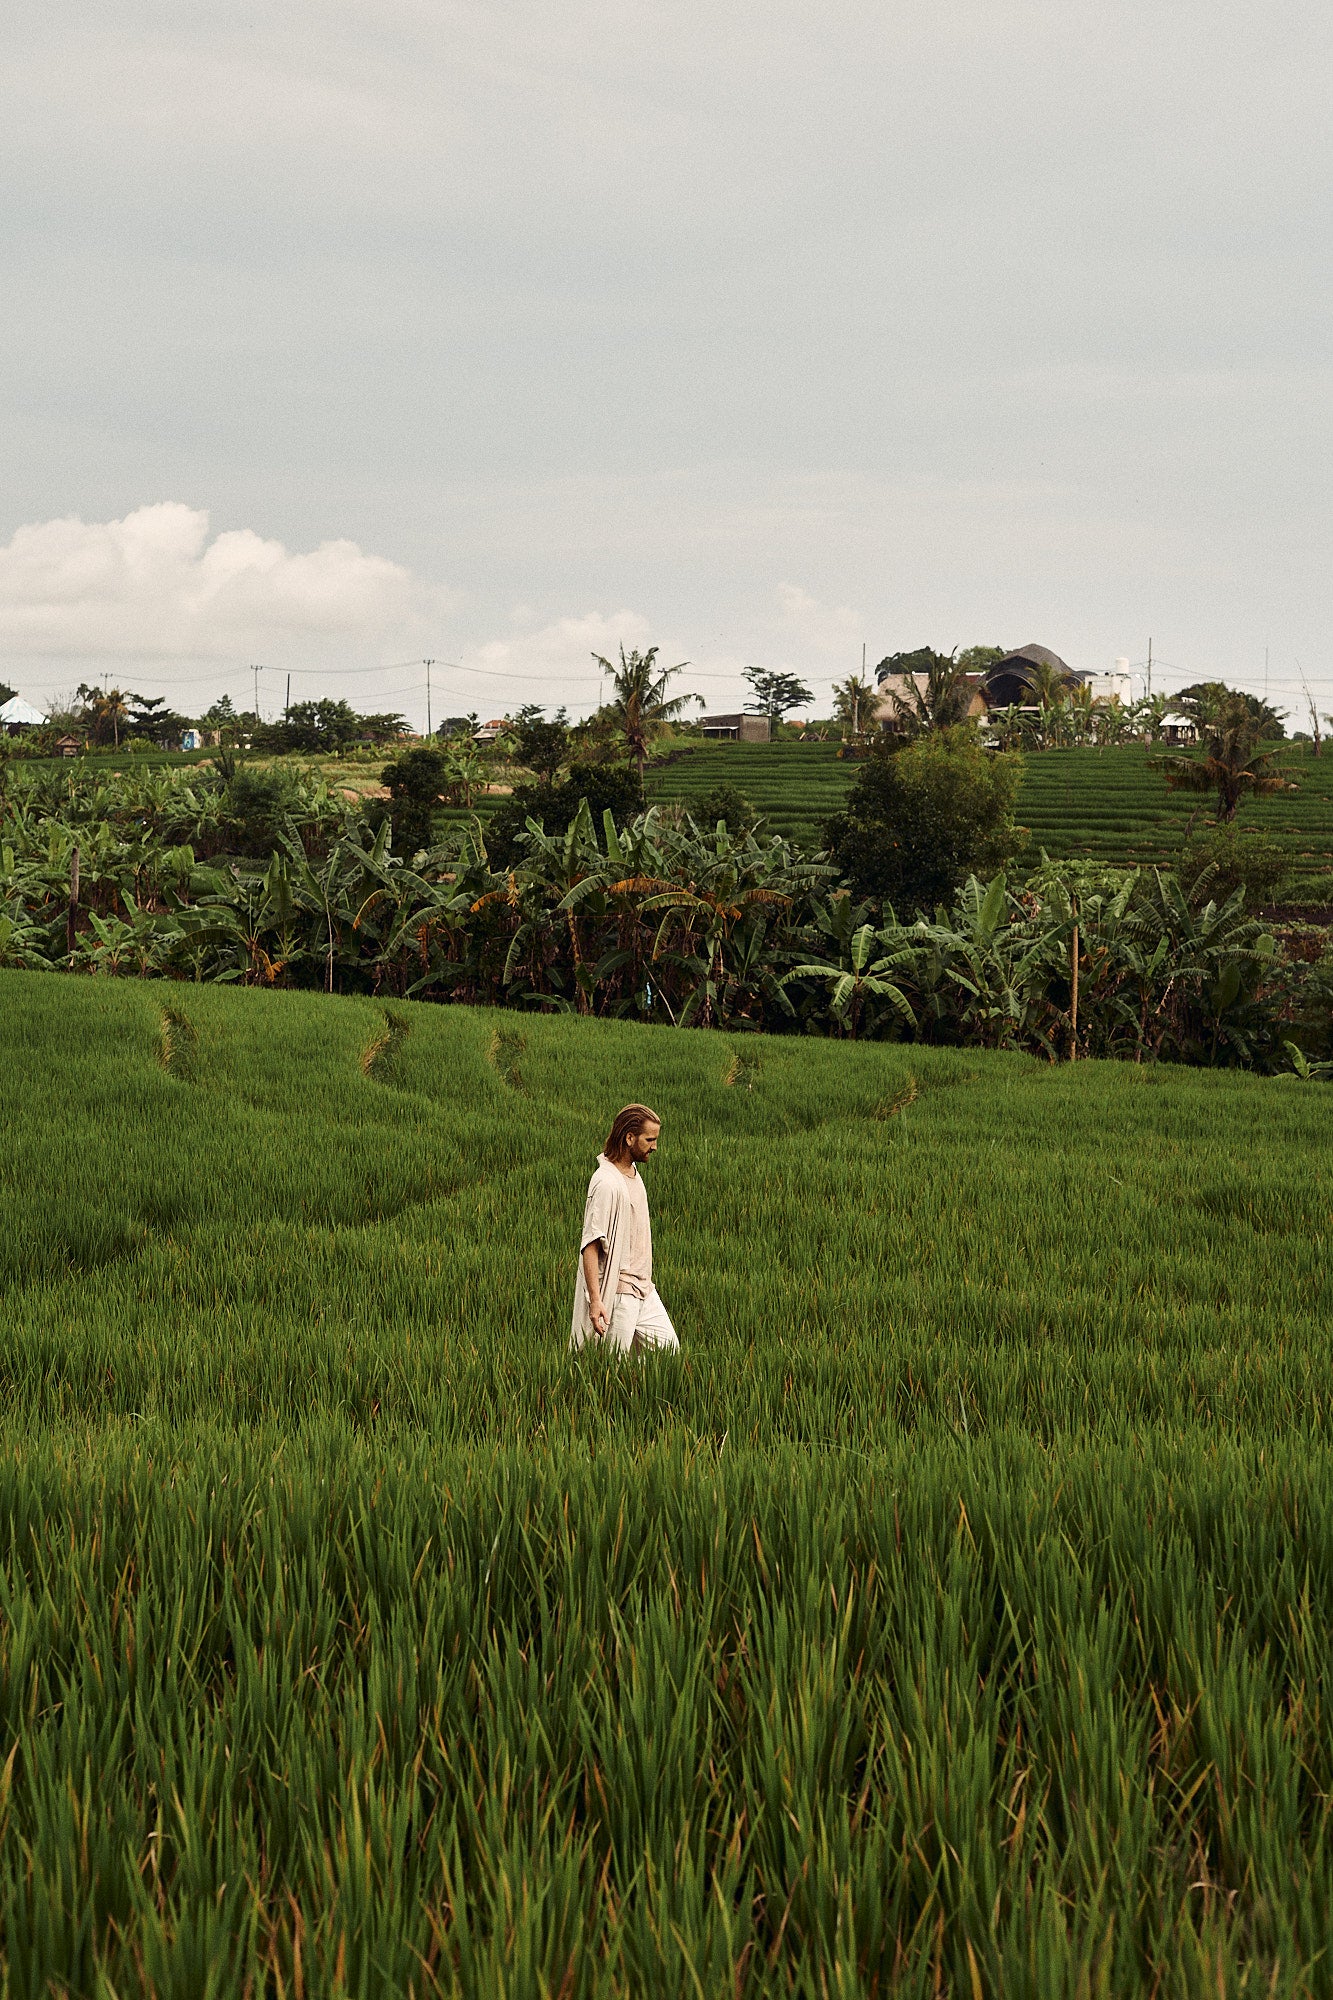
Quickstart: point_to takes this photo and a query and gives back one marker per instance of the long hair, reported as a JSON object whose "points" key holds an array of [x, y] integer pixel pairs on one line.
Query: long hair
{"points": [[632, 1119]]}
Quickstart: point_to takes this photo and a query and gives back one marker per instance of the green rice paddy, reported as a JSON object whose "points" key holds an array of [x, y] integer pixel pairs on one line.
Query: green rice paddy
{"points": [[951, 1618], [1104, 805]]}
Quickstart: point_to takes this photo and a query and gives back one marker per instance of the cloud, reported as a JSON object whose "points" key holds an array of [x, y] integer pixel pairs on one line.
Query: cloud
{"points": [[554, 663], [153, 586], [825, 633]]}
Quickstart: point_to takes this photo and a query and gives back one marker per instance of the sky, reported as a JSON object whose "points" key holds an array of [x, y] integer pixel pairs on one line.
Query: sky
{"points": [[342, 337]]}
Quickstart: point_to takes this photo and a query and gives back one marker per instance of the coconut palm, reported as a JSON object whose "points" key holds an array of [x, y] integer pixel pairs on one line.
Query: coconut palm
{"points": [[944, 698], [1232, 763], [855, 704], [640, 708]]}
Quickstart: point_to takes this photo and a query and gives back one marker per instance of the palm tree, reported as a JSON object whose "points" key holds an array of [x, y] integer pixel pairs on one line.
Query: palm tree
{"points": [[641, 707], [855, 703], [109, 709], [945, 698], [1232, 763]]}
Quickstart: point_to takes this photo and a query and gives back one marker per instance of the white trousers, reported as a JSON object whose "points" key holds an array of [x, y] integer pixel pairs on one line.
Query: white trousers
{"points": [[639, 1323]]}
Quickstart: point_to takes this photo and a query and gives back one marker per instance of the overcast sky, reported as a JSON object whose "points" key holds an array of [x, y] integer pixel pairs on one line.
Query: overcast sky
{"points": [[339, 336]]}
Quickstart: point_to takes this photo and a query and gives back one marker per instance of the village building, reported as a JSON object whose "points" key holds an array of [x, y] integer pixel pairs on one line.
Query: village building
{"points": [[17, 715], [886, 715], [736, 728], [1008, 683]]}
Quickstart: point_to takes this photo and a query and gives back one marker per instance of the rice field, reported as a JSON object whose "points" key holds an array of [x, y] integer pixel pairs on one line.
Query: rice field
{"points": [[951, 1617], [1104, 805], [1109, 805], [796, 786]]}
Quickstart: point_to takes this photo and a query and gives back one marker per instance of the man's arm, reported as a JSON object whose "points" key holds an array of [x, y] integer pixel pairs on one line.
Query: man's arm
{"points": [[592, 1278]]}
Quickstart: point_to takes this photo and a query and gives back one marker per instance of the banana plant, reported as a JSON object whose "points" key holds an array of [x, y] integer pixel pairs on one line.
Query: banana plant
{"points": [[858, 977]]}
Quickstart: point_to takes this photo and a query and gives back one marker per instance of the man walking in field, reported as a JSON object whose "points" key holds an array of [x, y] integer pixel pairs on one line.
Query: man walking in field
{"points": [[615, 1300]]}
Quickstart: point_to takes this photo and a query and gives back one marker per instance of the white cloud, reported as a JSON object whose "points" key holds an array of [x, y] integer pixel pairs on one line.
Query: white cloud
{"points": [[827, 634], [553, 664], [153, 586]]}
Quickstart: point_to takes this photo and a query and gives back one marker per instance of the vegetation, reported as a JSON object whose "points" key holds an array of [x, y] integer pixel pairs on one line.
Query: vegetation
{"points": [[640, 708], [1105, 804], [919, 820], [263, 879], [1233, 764], [950, 1617], [774, 694]]}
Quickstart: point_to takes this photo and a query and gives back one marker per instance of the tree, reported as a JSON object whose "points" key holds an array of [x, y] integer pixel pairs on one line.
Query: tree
{"points": [[606, 787], [1049, 685], [920, 819], [541, 745], [7, 693], [980, 659], [464, 771], [415, 783], [775, 693], [640, 708], [108, 710], [313, 727], [856, 706], [1206, 702], [386, 728], [150, 718], [926, 690], [1232, 763], [725, 803], [859, 973]]}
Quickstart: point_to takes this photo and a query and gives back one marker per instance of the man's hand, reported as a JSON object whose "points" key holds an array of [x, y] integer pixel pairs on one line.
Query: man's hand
{"points": [[592, 1276]]}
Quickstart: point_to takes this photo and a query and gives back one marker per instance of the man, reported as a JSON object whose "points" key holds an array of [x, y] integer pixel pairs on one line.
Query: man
{"points": [[615, 1300]]}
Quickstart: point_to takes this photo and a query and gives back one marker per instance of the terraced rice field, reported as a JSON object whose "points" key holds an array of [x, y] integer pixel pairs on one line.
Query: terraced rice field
{"points": [[1095, 804], [1109, 805], [951, 1617], [796, 786]]}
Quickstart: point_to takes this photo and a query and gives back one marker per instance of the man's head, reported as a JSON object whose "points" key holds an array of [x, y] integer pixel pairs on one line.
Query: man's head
{"points": [[633, 1136]]}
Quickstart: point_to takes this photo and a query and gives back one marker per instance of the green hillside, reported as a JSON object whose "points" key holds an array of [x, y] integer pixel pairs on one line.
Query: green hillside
{"points": [[796, 786], [951, 1617], [1099, 804]]}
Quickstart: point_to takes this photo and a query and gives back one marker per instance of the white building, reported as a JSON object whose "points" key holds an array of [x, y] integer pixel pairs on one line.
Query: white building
{"points": [[20, 714], [1115, 686]]}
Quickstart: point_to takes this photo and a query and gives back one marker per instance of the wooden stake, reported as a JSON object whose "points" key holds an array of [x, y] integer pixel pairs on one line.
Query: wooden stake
{"points": [[72, 913], [1073, 1005]]}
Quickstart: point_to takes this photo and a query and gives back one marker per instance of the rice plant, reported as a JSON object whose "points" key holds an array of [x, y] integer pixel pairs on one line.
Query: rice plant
{"points": [[950, 1617]]}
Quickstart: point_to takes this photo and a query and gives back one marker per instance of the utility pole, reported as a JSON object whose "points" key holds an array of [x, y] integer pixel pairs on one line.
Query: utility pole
{"points": [[256, 671], [1150, 669], [1310, 704], [287, 705], [428, 664]]}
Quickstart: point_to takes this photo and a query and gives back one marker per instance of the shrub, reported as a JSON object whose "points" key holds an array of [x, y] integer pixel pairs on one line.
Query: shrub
{"points": [[920, 820], [605, 786], [255, 805], [1215, 863], [415, 782], [726, 803]]}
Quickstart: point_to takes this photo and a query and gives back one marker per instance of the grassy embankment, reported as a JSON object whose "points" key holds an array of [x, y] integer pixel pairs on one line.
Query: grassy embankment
{"points": [[952, 1617]]}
